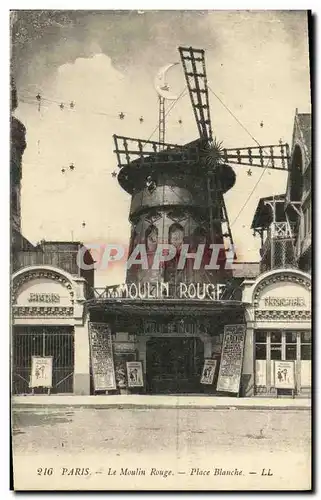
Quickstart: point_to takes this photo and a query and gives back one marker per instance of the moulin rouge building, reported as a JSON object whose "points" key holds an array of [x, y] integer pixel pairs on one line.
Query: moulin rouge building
{"points": [[169, 320]]}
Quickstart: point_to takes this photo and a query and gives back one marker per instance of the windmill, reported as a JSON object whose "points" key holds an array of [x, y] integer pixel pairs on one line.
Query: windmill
{"points": [[185, 184]]}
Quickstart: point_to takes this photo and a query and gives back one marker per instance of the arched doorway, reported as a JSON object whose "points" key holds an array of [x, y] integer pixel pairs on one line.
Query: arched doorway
{"points": [[43, 300]]}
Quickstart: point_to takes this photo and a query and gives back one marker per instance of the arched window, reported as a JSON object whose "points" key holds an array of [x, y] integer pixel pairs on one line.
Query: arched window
{"points": [[296, 176], [176, 235], [151, 238], [199, 237]]}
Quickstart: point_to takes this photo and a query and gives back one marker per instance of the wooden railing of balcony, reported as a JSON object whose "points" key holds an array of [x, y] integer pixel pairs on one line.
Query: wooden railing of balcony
{"points": [[66, 260]]}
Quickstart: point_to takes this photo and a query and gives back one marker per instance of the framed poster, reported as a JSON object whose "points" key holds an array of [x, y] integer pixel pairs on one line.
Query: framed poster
{"points": [[208, 371], [229, 376], [284, 377], [41, 372], [102, 359], [135, 374]]}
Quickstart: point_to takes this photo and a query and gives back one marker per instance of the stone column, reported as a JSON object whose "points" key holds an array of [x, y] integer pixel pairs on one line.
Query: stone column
{"points": [[207, 340], [141, 346], [248, 374], [82, 359]]}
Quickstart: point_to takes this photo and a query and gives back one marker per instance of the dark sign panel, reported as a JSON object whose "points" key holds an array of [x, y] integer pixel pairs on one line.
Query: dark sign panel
{"points": [[229, 376], [102, 360]]}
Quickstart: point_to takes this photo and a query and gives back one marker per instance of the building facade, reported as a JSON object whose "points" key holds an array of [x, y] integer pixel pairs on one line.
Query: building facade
{"points": [[100, 339], [17, 146], [48, 320], [48, 295], [299, 189], [279, 319]]}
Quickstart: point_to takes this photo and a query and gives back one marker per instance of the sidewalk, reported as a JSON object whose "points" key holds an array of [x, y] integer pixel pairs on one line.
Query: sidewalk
{"points": [[171, 401]]}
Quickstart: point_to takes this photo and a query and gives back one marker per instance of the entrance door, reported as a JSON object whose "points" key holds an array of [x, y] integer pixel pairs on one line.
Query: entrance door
{"points": [[55, 341], [173, 365]]}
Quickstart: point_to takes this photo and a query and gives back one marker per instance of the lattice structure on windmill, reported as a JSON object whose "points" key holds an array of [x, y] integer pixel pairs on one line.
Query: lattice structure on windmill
{"points": [[178, 190]]}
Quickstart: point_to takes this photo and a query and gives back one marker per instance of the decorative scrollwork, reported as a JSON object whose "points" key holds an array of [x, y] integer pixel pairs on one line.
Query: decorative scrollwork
{"points": [[27, 311], [41, 274], [282, 315], [291, 277]]}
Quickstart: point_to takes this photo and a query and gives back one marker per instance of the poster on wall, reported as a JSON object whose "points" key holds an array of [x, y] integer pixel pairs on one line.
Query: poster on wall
{"points": [[135, 374], [208, 371], [41, 372], [102, 360], [229, 376], [284, 375]]}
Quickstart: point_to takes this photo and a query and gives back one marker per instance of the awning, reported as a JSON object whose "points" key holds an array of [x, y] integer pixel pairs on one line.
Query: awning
{"points": [[159, 307]]}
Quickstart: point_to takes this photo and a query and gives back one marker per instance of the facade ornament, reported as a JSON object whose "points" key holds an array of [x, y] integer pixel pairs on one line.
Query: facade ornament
{"points": [[282, 315], [29, 311], [288, 276], [41, 274]]}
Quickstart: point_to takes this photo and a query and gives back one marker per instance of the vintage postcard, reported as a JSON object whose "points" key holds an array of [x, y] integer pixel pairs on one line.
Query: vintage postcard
{"points": [[161, 233]]}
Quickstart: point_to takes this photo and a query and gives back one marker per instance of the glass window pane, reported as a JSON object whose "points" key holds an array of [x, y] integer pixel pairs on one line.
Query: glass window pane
{"points": [[276, 352], [306, 337], [290, 352], [260, 351], [276, 337], [260, 336], [291, 338], [306, 352]]}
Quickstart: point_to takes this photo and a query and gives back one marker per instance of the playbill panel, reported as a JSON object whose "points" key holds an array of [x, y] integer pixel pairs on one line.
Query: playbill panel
{"points": [[161, 298]]}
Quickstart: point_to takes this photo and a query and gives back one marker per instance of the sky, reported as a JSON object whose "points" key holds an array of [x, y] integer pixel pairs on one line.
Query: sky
{"points": [[105, 63]]}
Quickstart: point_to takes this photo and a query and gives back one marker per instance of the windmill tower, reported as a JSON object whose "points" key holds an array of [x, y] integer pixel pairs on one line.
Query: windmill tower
{"points": [[178, 190]]}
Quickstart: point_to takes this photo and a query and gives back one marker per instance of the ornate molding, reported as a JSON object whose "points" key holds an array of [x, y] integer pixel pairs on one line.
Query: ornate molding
{"points": [[178, 216], [40, 312], [280, 278], [152, 217], [46, 274], [282, 315]]}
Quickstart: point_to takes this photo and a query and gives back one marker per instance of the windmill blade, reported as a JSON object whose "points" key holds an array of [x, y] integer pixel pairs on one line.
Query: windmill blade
{"points": [[193, 61], [276, 156], [148, 153], [217, 209]]}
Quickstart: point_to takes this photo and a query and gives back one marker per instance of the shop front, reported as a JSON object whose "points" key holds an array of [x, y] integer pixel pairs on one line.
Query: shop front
{"points": [[260, 346], [175, 345], [278, 316], [49, 342]]}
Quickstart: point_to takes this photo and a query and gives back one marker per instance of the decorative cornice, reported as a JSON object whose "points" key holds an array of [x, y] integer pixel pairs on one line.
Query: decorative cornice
{"points": [[35, 274], [280, 278], [282, 315], [40, 312]]}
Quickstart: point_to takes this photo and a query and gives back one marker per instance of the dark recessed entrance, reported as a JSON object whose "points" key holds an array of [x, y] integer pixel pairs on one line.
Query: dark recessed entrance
{"points": [[173, 365]]}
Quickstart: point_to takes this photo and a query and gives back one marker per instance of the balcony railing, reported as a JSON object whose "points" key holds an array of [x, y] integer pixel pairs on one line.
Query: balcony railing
{"points": [[276, 231], [66, 260], [281, 230], [278, 248]]}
